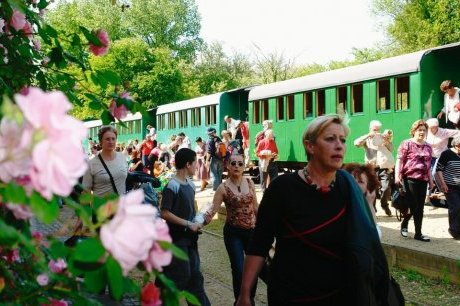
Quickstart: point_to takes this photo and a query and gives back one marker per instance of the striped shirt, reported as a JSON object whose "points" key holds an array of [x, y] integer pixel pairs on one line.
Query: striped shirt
{"points": [[449, 164]]}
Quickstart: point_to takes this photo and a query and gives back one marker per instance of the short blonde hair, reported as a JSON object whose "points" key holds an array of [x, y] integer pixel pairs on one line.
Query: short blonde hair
{"points": [[319, 124], [415, 126]]}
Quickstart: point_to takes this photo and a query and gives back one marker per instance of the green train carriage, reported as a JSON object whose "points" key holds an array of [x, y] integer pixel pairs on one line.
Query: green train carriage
{"points": [[195, 116], [397, 91]]}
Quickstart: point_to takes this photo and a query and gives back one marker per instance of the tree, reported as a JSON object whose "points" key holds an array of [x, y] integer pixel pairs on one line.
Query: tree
{"points": [[420, 24], [273, 67]]}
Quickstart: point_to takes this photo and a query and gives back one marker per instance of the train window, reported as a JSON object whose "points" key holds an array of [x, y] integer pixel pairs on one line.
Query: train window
{"points": [[192, 117], [210, 114], [307, 104], [402, 93], [320, 102], [197, 116], [183, 119], [383, 95], [160, 122], [290, 107], [341, 100], [280, 108], [264, 105], [357, 98], [255, 112], [171, 120]]}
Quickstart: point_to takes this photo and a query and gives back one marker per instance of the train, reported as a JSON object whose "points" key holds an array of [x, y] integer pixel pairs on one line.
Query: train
{"points": [[396, 91]]}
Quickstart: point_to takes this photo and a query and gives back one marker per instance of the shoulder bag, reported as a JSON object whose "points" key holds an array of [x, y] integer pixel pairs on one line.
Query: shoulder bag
{"points": [[108, 172]]}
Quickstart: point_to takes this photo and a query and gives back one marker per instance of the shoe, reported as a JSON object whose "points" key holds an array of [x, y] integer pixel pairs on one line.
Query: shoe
{"points": [[387, 211], [422, 238], [404, 232], [454, 235]]}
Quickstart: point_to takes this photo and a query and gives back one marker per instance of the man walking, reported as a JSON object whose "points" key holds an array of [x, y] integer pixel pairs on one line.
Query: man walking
{"points": [[213, 161]]}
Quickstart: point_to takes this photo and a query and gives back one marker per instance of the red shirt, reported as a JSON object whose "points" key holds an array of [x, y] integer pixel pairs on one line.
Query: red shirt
{"points": [[245, 133], [147, 147], [266, 144]]}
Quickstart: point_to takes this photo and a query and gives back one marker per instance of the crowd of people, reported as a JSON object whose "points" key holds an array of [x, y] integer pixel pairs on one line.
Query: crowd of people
{"points": [[325, 234]]}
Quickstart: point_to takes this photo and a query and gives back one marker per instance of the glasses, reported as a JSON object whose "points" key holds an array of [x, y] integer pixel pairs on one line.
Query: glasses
{"points": [[234, 163]]}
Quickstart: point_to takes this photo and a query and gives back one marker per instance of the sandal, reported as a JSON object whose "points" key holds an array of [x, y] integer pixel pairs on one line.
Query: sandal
{"points": [[422, 238], [404, 232]]}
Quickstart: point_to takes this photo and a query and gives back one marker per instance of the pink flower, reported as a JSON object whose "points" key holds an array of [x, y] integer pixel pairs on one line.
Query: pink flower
{"points": [[126, 95], [130, 234], [150, 295], [37, 44], [58, 158], [57, 266], [28, 31], [53, 302], [18, 20], [158, 257], [119, 112], [42, 279], [37, 236], [20, 212], [104, 40], [12, 256]]}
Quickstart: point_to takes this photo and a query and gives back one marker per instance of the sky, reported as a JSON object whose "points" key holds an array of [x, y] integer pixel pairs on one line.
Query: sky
{"points": [[307, 31]]}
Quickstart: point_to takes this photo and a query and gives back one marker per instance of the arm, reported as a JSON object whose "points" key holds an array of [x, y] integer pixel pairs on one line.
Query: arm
{"points": [[252, 266], [216, 202], [172, 218], [442, 183], [254, 202], [359, 142]]}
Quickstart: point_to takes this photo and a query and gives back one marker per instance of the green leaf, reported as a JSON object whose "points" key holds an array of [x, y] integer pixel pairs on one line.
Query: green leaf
{"points": [[42, 4], [111, 77], [90, 37], [98, 79], [51, 31], [107, 117], [15, 193], [115, 278], [58, 250], [189, 297], [76, 41], [176, 251], [131, 287], [95, 281], [95, 105], [45, 211], [89, 250], [57, 58], [8, 234]]}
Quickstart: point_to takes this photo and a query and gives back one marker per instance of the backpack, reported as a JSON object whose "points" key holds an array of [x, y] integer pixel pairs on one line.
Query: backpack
{"points": [[221, 149]]}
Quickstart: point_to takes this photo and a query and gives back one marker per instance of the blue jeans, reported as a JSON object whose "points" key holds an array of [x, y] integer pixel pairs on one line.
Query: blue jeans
{"points": [[216, 169], [272, 171], [187, 274], [236, 242], [453, 200]]}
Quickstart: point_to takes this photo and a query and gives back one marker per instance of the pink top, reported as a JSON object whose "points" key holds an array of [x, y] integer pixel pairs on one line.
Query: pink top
{"points": [[414, 160]]}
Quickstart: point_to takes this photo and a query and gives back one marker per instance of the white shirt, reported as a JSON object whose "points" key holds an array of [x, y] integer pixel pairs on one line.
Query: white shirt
{"points": [[449, 106], [438, 141], [231, 127]]}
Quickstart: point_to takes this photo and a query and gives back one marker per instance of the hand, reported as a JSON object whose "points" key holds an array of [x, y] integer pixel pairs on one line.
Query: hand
{"points": [[444, 188], [195, 227], [207, 218], [440, 115]]}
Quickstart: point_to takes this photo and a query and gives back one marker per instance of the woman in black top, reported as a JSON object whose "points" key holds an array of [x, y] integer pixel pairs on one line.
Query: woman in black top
{"points": [[321, 224], [448, 175]]}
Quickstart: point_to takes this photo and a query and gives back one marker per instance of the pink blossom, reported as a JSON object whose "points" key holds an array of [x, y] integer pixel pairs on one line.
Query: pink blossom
{"points": [[54, 302], [28, 31], [158, 257], [130, 234], [42, 279], [104, 39], [126, 95], [37, 236], [57, 266], [12, 256], [18, 20], [15, 142], [20, 212], [119, 112], [58, 158], [150, 295], [37, 44]]}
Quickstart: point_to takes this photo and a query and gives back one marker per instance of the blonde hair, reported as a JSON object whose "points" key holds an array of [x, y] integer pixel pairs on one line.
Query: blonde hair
{"points": [[319, 124], [416, 125]]}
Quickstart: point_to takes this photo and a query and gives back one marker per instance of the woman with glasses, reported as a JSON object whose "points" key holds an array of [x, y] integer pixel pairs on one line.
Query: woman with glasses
{"points": [[239, 195], [413, 173], [327, 248]]}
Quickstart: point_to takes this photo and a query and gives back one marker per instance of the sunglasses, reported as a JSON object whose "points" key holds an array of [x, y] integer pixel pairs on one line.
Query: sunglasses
{"points": [[234, 163]]}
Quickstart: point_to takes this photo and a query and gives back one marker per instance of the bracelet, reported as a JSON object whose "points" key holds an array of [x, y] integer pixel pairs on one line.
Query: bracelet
{"points": [[188, 224]]}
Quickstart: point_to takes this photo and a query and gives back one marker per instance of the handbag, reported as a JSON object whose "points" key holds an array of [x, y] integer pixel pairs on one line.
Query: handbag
{"points": [[395, 295], [400, 203]]}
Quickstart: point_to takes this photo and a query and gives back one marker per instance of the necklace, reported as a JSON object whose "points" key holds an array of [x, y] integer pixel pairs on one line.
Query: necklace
{"points": [[321, 189], [237, 186]]}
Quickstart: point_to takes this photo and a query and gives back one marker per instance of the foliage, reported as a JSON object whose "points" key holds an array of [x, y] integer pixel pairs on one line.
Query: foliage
{"points": [[41, 159], [420, 24]]}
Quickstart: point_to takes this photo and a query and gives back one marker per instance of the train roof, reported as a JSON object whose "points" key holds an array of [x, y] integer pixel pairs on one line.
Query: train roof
{"points": [[98, 122], [196, 102], [397, 65]]}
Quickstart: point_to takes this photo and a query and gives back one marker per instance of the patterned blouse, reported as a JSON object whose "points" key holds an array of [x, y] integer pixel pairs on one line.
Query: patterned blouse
{"points": [[415, 160], [240, 208]]}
